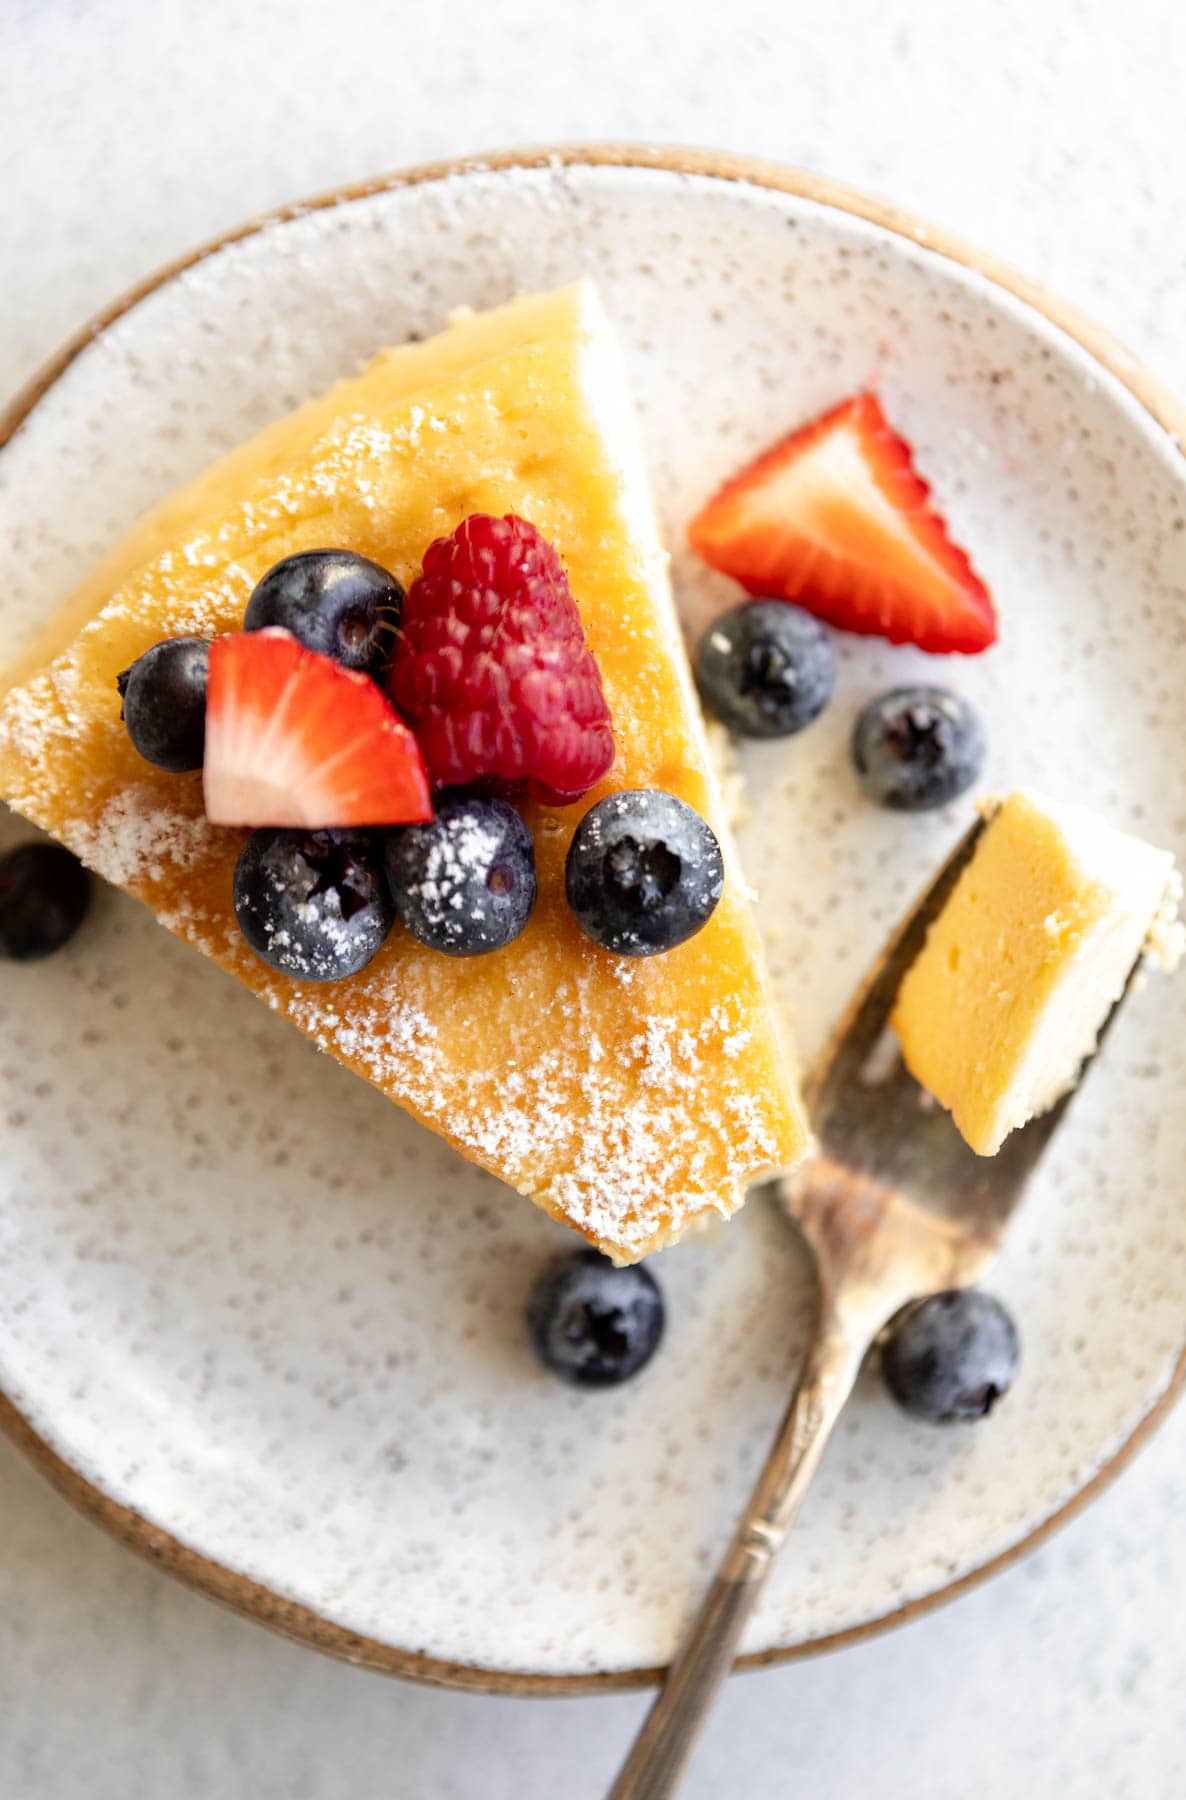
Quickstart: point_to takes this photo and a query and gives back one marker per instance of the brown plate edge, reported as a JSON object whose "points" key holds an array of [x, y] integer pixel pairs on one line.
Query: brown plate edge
{"points": [[263, 1604]]}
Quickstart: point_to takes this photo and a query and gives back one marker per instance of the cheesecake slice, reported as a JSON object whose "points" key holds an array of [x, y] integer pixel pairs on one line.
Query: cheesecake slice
{"points": [[1024, 963], [627, 1096]]}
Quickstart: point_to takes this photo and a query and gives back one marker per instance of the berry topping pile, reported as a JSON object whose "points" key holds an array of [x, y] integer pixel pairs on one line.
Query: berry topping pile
{"points": [[492, 668], [44, 896], [951, 1357], [644, 872], [465, 882], [592, 1324], [298, 741], [917, 748]]}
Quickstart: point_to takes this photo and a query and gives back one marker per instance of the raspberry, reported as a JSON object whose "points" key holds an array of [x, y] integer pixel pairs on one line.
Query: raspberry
{"points": [[492, 670]]}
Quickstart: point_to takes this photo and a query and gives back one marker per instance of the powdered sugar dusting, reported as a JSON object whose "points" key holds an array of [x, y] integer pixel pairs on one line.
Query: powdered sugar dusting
{"points": [[139, 836], [30, 721], [609, 1140], [453, 859], [393, 1039]]}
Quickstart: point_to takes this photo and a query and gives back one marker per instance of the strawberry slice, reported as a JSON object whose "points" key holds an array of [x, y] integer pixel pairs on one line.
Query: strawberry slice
{"points": [[293, 738], [837, 518]]}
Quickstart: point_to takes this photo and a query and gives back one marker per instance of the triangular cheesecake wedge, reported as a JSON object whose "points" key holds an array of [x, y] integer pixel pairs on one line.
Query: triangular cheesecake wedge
{"points": [[628, 1096]]}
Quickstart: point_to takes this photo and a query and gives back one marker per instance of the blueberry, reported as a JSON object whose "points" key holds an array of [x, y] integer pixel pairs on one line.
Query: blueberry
{"points": [[313, 904], [44, 895], [917, 747], [591, 1323], [765, 669], [644, 872], [333, 601], [951, 1357], [164, 703], [465, 882]]}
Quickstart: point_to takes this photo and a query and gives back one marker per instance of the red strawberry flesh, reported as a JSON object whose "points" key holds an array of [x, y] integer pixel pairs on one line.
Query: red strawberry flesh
{"points": [[293, 738], [836, 518]]}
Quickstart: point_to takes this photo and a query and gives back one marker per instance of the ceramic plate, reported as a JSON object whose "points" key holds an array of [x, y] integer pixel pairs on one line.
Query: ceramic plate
{"points": [[263, 1324]]}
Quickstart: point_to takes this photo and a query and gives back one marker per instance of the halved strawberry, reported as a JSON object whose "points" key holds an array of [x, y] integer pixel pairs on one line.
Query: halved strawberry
{"points": [[293, 738], [837, 518]]}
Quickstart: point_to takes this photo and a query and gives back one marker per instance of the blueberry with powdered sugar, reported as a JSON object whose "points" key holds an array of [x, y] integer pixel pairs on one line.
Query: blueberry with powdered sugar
{"points": [[644, 872], [465, 882], [313, 904]]}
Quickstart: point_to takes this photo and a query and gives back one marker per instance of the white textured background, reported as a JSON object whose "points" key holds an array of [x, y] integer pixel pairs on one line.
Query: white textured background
{"points": [[1051, 131]]}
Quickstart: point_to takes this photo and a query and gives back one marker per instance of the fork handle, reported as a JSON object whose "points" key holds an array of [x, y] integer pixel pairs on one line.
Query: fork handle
{"points": [[653, 1768]]}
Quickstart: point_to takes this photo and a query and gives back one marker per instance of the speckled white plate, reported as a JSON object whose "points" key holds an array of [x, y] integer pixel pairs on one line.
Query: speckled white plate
{"points": [[267, 1328]]}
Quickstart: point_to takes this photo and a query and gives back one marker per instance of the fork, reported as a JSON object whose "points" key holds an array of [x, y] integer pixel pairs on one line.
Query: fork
{"points": [[894, 1207]]}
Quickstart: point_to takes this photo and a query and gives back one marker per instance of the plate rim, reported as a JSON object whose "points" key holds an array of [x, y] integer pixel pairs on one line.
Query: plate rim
{"points": [[239, 1592]]}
